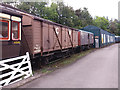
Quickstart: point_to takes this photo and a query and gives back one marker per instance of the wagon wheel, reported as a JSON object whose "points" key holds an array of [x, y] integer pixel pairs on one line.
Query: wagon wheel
{"points": [[46, 60]]}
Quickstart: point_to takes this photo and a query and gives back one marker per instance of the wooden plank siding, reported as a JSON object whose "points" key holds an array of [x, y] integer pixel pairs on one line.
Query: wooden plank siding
{"points": [[42, 36], [69, 37], [64, 38], [27, 40], [75, 38], [36, 36]]}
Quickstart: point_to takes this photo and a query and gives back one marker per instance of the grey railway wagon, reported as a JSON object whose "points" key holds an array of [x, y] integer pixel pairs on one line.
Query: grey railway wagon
{"points": [[86, 38]]}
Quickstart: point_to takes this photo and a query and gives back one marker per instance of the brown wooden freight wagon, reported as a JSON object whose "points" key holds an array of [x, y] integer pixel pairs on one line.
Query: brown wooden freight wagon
{"points": [[42, 37]]}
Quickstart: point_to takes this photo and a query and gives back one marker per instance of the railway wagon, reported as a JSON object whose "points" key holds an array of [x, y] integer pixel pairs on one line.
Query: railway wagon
{"points": [[86, 39], [10, 33], [91, 38], [101, 37], [105, 38], [112, 38], [43, 38], [117, 39]]}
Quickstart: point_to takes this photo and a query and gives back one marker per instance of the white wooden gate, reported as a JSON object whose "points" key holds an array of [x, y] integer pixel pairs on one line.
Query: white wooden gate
{"points": [[15, 69]]}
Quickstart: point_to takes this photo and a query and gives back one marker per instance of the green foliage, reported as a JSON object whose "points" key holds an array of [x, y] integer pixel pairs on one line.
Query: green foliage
{"points": [[101, 22], [36, 8], [84, 16], [114, 27], [118, 30], [51, 13], [66, 14]]}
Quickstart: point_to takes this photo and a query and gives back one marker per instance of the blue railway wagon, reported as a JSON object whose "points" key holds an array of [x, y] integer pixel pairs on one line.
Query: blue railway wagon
{"points": [[104, 38], [112, 38], [101, 37], [117, 39], [108, 38]]}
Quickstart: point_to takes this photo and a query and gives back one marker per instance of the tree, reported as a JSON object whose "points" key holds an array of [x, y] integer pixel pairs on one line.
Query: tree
{"points": [[51, 13], [118, 27], [66, 14], [118, 33], [84, 16], [101, 22], [113, 26], [36, 8]]}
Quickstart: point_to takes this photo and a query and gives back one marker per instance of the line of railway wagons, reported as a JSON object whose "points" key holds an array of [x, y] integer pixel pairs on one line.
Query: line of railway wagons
{"points": [[101, 37], [117, 39], [45, 40]]}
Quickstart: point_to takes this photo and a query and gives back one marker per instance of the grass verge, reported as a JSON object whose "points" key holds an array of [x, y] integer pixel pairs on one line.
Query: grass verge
{"points": [[63, 62]]}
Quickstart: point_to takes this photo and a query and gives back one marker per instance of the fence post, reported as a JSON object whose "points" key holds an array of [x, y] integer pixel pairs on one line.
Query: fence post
{"points": [[28, 59]]}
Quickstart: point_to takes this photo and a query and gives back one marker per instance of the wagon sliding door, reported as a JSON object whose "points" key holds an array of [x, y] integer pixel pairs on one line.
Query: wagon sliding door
{"points": [[75, 38], [36, 28], [57, 38], [45, 37], [48, 37], [69, 36], [51, 37], [64, 38]]}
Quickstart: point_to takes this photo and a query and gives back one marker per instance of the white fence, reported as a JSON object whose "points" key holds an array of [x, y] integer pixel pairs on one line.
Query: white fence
{"points": [[15, 69]]}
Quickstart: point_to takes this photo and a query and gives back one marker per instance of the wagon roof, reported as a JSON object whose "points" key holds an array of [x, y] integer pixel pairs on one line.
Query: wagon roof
{"points": [[117, 36], [8, 10], [92, 27], [45, 20], [86, 31]]}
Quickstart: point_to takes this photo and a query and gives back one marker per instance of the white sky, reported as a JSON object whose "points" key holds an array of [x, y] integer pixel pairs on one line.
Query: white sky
{"points": [[97, 7]]}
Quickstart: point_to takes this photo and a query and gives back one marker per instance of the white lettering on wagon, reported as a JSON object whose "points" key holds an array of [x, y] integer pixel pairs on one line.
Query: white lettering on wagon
{"points": [[37, 48], [57, 31], [70, 32]]}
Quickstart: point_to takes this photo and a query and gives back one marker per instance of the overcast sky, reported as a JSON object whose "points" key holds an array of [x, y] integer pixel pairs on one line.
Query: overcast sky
{"points": [[97, 7]]}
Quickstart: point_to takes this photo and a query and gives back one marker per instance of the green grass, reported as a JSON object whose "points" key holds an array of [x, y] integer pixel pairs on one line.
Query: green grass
{"points": [[63, 62]]}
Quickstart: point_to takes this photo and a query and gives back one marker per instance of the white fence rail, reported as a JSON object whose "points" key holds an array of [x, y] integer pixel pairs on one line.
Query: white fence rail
{"points": [[15, 69]]}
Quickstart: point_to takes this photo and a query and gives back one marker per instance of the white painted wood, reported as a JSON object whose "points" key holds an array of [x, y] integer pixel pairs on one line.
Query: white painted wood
{"points": [[4, 15], [16, 18], [18, 72]]}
